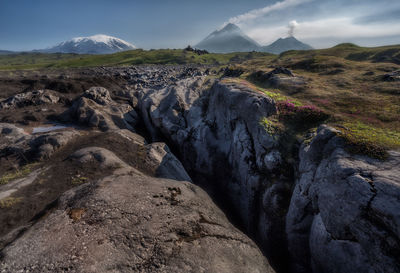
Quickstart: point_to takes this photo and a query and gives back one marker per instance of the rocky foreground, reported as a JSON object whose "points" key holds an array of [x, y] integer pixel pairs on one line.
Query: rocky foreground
{"points": [[116, 183]]}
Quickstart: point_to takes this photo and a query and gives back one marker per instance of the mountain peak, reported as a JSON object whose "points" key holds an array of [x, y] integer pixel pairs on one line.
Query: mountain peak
{"points": [[96, 44], [228, 39], [230, 27], [101, 38]]}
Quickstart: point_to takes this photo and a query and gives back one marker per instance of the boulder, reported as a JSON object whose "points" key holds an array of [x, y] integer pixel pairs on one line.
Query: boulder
{"points": [[96, 109], [232, 72], [392, 76], [98, 94], [130, 222], [44, 145], [13, 140], [37, 97], [281, 78]]}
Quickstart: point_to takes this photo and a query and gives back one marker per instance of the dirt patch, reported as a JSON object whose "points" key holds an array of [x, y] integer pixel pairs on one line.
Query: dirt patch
{"points": [[31, 115], [67, 81]]}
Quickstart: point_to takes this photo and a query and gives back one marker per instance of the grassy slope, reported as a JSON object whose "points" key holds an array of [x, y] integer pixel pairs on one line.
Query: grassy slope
{"points": [[133, 57], [346, 82]]}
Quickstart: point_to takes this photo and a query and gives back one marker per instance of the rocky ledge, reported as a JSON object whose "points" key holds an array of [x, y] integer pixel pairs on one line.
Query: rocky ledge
{"points": [[131, 222]]}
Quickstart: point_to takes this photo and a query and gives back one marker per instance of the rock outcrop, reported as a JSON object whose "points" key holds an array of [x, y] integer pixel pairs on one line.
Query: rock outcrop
{"points": [[44, 145], [130, 222], [344, 215], [13, 138], [392, 76], [15, 141], [37, 97], [281, 78], [96, 109]]}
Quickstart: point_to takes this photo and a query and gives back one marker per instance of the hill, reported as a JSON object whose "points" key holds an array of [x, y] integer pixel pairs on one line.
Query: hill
{"points": [[132, 57]]}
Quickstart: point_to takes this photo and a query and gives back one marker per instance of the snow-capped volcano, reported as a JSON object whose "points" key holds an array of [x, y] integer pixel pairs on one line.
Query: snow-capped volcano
{"points": [[96, 44]]}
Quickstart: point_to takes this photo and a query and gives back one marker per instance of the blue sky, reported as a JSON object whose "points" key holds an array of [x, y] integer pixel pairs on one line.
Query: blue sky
{"points": [[34, 24]]}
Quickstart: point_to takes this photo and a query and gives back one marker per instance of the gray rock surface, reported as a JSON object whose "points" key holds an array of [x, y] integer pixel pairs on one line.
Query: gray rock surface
{"points": [[165, 163], [8, 189], [43, 146], [96, 109], [13, 138], [16, 141], [37, 97], [104, 157], [129, 222], [344, 214]]}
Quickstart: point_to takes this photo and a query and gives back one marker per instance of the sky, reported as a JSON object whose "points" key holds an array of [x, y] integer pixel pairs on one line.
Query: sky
{"points": [[37, 24]]}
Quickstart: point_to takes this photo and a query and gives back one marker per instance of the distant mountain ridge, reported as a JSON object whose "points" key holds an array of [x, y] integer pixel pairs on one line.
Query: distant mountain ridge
{"points": [[285, 44], [7, 52], [232, 39], [96, 44]]}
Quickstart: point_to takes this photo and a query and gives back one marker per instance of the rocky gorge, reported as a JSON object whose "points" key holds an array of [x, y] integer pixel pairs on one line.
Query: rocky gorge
{"points": [[169, 169]]}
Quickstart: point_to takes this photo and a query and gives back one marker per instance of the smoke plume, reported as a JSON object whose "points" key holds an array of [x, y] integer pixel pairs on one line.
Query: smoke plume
{"points": [[256, 13], [292, 27]]}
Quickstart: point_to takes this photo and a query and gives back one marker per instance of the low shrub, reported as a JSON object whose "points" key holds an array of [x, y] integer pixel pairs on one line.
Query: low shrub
{"points": [[304, 116]]}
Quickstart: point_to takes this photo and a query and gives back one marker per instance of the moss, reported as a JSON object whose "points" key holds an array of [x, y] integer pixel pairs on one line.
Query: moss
{"points": [[275, 95], [367, 140], [308, 138], [387, 138], [273, 128], [9, 202], [78, 180], [10, 176]]}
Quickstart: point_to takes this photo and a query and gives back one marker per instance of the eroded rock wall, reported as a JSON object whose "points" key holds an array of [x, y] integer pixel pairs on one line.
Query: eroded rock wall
{"points": [[343, 213], [218, 135]]}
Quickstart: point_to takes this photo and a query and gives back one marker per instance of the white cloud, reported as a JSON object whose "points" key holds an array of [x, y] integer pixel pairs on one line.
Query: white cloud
{"points": [[324, 23], [345, 28], [256, 13], [327, 32]]}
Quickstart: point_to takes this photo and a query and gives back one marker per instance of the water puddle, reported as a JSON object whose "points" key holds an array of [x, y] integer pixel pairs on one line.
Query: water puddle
{"points": [[50, 128]]}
